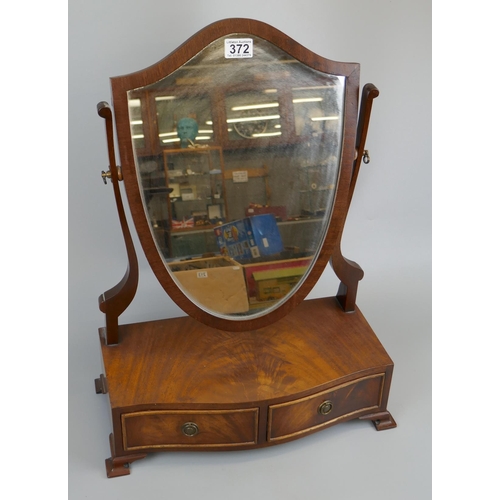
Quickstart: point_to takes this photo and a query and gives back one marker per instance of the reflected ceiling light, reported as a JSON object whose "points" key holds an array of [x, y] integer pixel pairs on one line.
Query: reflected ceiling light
{"points": [[139, 136], [197, 138], [277, 126], [134, 103], [136, 122], [165, 98], [307, 99], [209, 122], [270, 91], [266, 134], [166, 134], [253, 118], [256, 106], [323, 118], [315, 87]]}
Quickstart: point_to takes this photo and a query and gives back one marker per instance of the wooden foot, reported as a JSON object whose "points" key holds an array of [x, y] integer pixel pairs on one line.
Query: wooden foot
{"points": [[382, 420], [120, 466]]}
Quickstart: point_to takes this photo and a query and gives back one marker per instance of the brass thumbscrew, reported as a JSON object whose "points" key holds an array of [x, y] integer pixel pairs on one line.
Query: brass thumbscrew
{"points": [[107, 175]]}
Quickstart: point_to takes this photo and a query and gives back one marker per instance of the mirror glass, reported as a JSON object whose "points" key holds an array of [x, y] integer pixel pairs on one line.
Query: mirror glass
{"points": [[237, 155]]}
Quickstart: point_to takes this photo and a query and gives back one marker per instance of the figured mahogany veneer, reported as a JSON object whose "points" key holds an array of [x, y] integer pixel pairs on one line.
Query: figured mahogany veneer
{"points": [[215, 428], [246, 389]]}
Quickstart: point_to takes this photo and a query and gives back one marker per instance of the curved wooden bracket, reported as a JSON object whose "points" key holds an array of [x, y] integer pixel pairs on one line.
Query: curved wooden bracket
{"points": [[350, 274], [114, 301], [348, 271]]}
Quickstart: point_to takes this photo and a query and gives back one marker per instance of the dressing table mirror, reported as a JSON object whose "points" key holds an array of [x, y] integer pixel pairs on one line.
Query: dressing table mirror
{"points": [[239, 154]]}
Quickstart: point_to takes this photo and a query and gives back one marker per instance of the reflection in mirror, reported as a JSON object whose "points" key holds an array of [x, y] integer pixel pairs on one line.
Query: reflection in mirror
{"points": [[237, 161]]}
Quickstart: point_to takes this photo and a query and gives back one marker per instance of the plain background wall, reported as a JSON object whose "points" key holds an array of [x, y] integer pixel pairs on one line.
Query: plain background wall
{"points": [[388, 233]]}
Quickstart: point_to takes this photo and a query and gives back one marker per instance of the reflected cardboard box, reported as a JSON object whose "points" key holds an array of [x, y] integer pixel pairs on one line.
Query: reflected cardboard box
{"points": [[215, 283], [273, 280], [251, 237]]}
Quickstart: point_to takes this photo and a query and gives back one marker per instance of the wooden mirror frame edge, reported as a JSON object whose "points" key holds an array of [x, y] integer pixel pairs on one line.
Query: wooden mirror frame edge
{"points": [[348, 272]]}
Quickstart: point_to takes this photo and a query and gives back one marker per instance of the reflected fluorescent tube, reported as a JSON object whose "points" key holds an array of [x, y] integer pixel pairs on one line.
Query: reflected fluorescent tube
{"points": [[323, 118], [316, 87], [197, 138], [266, 134], [165, 98], [253, 118], [136, 122], [256, 106], [167, 134], [307, 99]]}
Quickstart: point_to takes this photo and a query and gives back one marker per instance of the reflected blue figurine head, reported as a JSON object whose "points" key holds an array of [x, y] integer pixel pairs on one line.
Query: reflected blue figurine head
{"points": [[187, 130]]}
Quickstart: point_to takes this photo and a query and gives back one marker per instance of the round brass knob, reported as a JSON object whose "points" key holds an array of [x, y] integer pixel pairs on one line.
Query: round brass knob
{"points": [[325, 407], [190, 429]]}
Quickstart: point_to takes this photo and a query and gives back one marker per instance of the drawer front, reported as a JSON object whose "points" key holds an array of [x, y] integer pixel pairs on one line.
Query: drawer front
{"points": [[193, 429], [293, 418]]}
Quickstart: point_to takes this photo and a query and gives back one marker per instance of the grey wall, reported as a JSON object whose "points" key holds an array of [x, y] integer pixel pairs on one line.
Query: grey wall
{"points": [[387, 233]]}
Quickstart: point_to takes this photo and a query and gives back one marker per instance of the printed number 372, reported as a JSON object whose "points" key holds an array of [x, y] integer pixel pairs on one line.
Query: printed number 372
{"points": [[239, 48]]}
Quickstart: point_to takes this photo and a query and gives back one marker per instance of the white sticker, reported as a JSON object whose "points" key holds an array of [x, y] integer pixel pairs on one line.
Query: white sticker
{"points": [[202, 274], [265, 242], [240, 176], [238, 47], [255, 252]]}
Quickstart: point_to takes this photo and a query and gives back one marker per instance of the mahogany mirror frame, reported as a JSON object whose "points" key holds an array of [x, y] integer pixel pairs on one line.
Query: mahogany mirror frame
{"points": [[354, 134]]}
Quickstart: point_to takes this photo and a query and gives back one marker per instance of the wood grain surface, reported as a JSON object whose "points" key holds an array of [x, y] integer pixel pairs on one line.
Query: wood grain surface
{"points": [[182, 362]]}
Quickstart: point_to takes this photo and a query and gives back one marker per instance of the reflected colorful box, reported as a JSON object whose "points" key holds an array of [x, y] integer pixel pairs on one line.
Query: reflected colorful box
{"points": [[248, 238]]}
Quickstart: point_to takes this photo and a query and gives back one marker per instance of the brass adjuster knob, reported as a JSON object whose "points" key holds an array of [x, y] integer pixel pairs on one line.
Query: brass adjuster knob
{"points": [[325, 407], [190, 429], [107, 175]]}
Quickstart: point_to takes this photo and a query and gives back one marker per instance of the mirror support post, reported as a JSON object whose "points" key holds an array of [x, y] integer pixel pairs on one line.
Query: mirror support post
{"points": [[369, 93], [114, 301], [348, 271]]}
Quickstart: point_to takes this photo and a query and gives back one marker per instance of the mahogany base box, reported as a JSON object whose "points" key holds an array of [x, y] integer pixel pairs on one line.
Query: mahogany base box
{"points": [[177, 384]]}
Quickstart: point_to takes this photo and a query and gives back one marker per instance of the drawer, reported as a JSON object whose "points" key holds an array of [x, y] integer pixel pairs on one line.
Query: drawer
{"points": [[193, 429], [287, 420]]}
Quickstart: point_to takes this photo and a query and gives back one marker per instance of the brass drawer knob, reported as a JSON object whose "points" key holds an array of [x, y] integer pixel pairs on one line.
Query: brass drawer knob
{"points": [[325, 407], [190, 429]]}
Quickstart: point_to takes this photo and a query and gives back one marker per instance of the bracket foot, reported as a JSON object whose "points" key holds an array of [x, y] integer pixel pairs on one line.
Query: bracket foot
{"points": [[381, 420], [120, 466]]}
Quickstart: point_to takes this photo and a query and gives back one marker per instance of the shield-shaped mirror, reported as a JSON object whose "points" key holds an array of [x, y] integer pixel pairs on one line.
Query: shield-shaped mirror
{"points": [[231, 151]]}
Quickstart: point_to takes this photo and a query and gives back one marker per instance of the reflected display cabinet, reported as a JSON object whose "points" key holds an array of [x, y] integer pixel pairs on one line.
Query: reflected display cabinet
{"points": [[239, 154]]}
